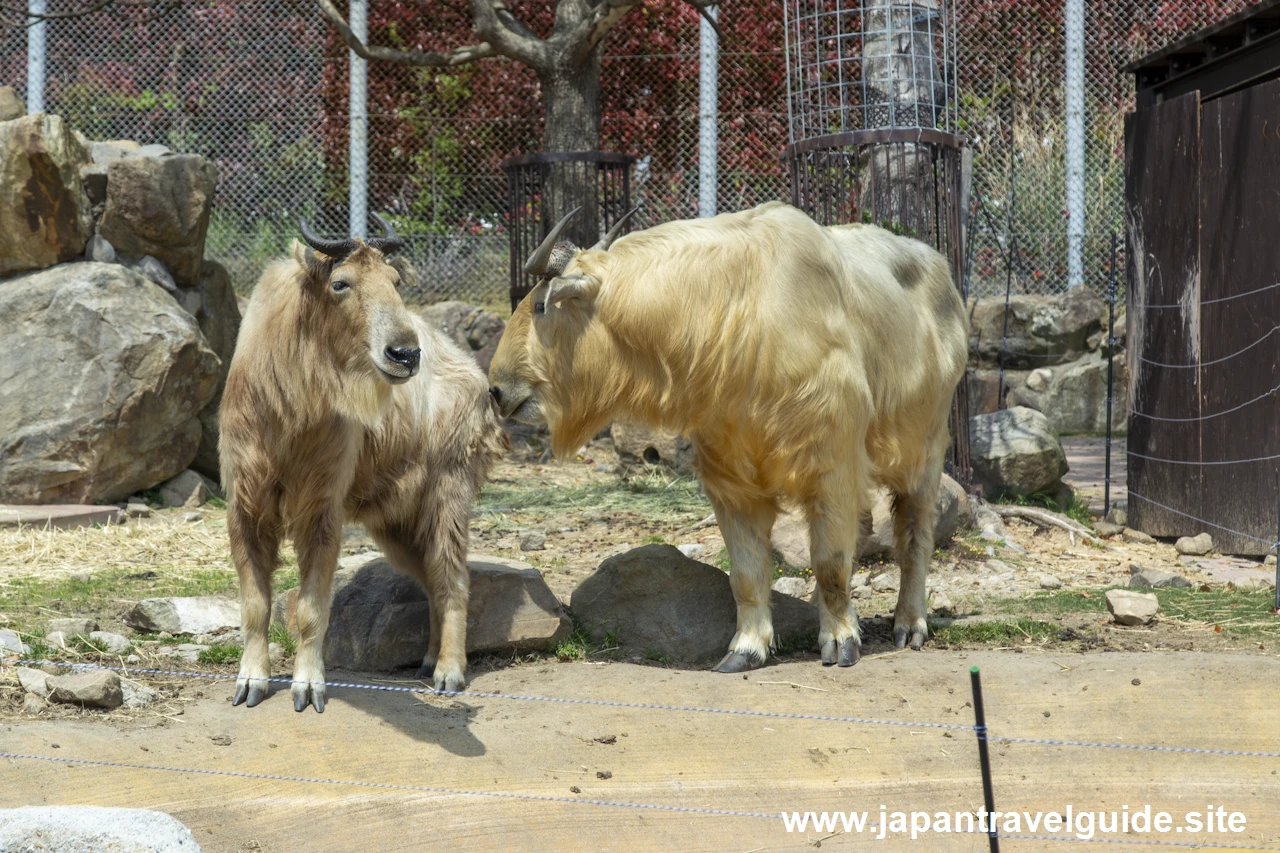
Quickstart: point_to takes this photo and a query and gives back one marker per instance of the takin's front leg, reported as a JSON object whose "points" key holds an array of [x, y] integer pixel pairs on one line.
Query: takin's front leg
{"points": [[746, 537], [833, 543], [913, 519], [255, 548], [316, 539]]}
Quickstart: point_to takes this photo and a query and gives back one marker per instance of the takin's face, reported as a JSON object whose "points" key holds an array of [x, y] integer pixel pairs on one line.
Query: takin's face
{"points": [[363, 317], [534, 362]]}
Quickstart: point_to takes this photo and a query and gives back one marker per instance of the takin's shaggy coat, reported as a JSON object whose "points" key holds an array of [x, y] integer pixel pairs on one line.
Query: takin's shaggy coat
{"points": [[324, 418], [804, 363]]}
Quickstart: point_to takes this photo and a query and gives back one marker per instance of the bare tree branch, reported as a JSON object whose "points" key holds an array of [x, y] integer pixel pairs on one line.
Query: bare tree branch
{"points": [[591, 30], [509, 36], [458, 56]]}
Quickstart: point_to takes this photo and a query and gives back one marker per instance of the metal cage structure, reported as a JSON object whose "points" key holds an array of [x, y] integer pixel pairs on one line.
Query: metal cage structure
{"points": [[871, 107], [542, 187]]}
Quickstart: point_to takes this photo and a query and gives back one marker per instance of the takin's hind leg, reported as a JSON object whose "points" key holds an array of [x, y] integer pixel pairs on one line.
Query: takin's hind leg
{"points": [[746, 537], [913, 519], [316, 539], [833, 542], [255, 548]]}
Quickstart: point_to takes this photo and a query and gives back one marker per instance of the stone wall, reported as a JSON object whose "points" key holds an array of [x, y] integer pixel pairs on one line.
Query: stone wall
{"points": [[122, 332]]}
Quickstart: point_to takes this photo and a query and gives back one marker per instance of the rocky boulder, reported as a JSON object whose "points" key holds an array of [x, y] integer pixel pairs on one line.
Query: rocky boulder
{"points": [[93, 829], [101, 386], [188, 489], [1016, 452], [213, 303], [790, 535], [11, 105], [1042, 330], [1073, 396], [638, 445], [475, 330], [1132, 608], [201, 614], [381, 619], [658, 600], [159, 206], [87, 689], [45, 216]]}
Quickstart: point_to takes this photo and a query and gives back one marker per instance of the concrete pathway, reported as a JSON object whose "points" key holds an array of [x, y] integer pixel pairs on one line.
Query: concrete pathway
{"points": [[683, 758]]}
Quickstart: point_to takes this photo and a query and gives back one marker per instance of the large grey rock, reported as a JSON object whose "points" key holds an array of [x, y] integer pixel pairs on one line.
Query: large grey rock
{"points": [[45, 217], [1016, 452], [11, 105], [1140, 578], [202, 614], [639, 445], [1132, 608], [790, 535], [160, 206], [1074, 395], [11, 643], [89, 689], [474, 329], [101, 385], [1195, 546], [92, 829], [213, 304], [381, 619], [115, 644], [1042, 330], [656, 599], [794, 587], [34, 681]]}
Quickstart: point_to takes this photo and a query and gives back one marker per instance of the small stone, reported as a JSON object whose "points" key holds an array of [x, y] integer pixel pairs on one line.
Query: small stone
{"points": [[99, 250], [996, 567], [34, 681], [1254, 584], [1048, 581], [1195, 546], [221, 740], [1140, 578], [1038, 380], [10, 642], [862, 592], [604, 774], [1118, 516], [794, 587], [187, 490], [533, 540], [1136, 682], [80, 577], [1270, 560], [133, 659], [154, 269], [192, 517], [275, 653], [189, 652], [137, 695], [1106, 529], [941, 601], [883, 583], [860, 579], [1132, 608], [137, 510], [692, 550], [32, 705], [603, 468], [89, 689], [1137, 537], [72, 627], [575, 789], [115, 644]]}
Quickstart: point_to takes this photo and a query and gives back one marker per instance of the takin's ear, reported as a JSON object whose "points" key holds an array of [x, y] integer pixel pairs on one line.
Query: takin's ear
{"points": [[317, 265], [572, 288], [408, 275]]}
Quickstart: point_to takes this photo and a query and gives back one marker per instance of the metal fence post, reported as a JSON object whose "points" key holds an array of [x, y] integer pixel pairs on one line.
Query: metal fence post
{"points": [[1111, 355], [1074, 91], [708, 114], [358, 172], [36, 56], [980, 728]]}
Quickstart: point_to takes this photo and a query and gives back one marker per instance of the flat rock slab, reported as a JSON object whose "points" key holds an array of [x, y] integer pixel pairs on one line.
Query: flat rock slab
{"points": [[201, 614], [496, 744], [62, 516], [1232, 571], [658, 600], [93, 829]]}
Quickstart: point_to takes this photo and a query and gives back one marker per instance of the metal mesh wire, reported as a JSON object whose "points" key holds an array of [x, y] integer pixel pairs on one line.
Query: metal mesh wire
{"points": [[258, 86]]}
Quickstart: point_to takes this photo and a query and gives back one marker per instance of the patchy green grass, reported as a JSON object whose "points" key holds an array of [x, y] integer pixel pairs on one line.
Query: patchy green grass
{"points": [[220, 653], [31, 601], [660, 499], [799, 642], [574, 646], [279, 635], [999, 631], [656, 656]]}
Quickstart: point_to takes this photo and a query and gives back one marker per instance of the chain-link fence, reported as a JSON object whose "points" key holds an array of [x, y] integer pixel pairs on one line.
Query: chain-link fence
{"points": [[259, 87]]}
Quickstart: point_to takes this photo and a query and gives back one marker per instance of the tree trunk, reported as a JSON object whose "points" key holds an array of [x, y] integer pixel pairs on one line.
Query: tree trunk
{"points": [[572, 114]]}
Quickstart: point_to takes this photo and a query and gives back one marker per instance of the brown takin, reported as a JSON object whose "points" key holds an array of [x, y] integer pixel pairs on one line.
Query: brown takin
{"points": [[806, 364], [340, 404]]}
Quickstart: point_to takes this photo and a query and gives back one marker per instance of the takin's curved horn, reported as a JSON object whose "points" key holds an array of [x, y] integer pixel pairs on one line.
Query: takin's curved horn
{"points": [[537, 263], [388, 244], [607, 240], [336, 249]]}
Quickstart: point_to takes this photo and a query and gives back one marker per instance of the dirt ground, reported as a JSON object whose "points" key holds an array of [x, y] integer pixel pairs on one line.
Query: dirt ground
{"points": [[1054, 663]]}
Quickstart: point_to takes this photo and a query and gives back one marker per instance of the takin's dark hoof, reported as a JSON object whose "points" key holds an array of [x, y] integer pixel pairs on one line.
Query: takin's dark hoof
{"points": [[249, 693], [737, 662], [850, 651], [916, 636], [308, 694], [829, 653], [425, 671]]}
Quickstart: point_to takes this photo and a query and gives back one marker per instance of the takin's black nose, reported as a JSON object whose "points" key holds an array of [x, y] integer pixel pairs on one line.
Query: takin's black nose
{"points": [[497, 394], [404, 356]]}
